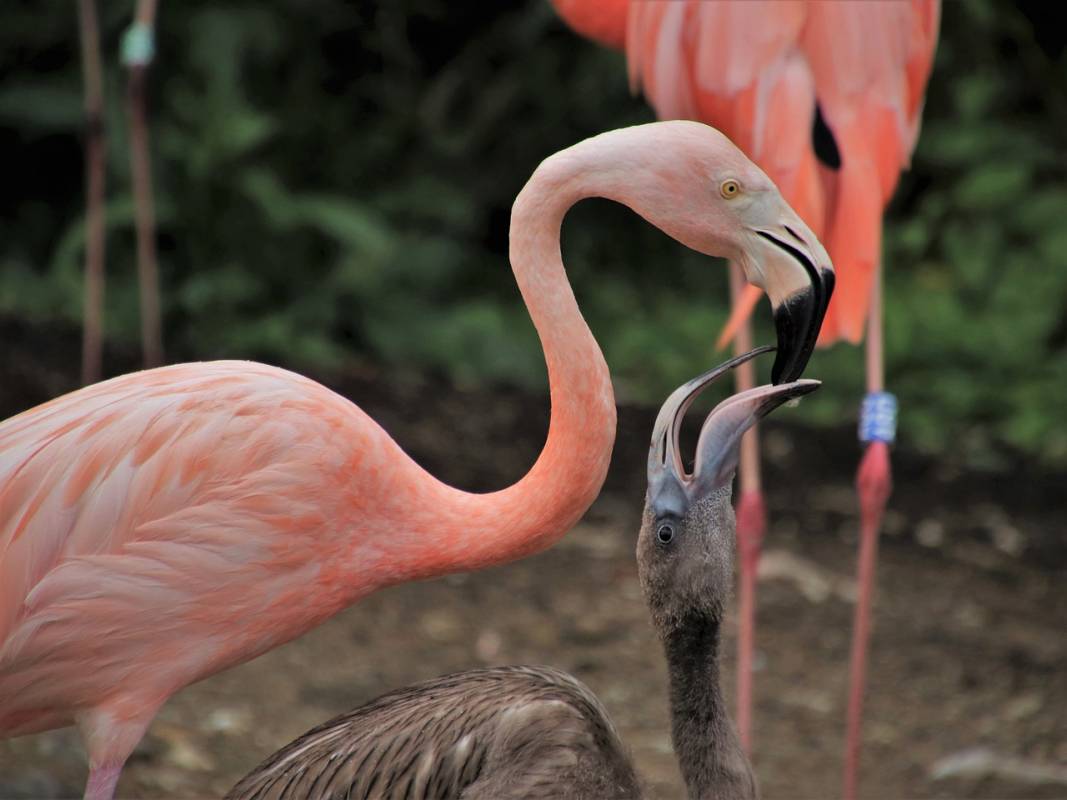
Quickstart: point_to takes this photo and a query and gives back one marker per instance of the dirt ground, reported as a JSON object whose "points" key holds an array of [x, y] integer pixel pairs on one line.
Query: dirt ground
{"points": [[968, 695]]}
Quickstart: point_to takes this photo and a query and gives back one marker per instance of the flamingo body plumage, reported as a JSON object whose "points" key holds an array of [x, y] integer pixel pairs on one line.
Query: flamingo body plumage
{"points": [[166, 506], [164, 525]]}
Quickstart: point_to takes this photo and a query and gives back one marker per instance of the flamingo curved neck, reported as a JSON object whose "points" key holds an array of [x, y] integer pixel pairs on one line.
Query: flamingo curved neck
{"points": [[459, 531]]}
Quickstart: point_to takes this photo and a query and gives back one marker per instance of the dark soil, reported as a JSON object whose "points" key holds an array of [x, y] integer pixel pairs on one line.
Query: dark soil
{"points": [[968, 694]]}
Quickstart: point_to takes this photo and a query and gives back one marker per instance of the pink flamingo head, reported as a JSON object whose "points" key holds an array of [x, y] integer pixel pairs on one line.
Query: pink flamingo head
{"points": [[692, 182]]}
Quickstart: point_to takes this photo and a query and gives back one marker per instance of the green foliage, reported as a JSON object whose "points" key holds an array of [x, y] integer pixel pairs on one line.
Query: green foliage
{"points": [[334, 179]]}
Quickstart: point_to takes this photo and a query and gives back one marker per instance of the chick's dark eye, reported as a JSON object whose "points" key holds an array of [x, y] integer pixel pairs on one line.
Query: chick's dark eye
{"points": [[665, 533]]}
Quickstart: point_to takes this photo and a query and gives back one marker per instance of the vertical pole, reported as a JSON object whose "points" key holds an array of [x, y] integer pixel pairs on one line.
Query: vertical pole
{"points": [[138, 50], [95, 173]]}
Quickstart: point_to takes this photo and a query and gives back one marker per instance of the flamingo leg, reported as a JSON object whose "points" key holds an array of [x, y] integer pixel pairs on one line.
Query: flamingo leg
{"points": [[95, 170], [138, 48], [102, 782], [110, 735], [751, 524], [874, 484]]}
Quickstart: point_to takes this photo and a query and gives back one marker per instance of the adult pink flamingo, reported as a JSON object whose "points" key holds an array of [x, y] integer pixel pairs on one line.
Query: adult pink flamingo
{"points": [[826, 96], [168, 524]]}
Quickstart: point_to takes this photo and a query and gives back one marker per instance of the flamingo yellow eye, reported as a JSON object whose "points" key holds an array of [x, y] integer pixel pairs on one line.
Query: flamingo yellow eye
{"points": [[730, 189]]}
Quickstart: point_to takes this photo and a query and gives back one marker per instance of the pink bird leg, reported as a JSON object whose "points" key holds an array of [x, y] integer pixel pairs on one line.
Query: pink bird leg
{"points": [[873, 483], [110, 736], [751, 525], [102, 782]]}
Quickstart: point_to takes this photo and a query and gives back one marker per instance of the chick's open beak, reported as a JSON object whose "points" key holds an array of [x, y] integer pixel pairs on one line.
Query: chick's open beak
{"points": [[671, 489]]}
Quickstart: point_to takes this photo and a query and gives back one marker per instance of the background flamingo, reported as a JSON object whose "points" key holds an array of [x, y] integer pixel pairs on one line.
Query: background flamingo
{"points": [[168, 524], [825, 96]]}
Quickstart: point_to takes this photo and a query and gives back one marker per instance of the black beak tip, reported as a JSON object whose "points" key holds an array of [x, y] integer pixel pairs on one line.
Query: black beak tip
{"points": [[828, 277], [796, 322]]}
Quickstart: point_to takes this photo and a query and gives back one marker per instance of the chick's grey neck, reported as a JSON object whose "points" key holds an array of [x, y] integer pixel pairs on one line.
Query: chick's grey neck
{"points": [[705, 741], [708, 750]]}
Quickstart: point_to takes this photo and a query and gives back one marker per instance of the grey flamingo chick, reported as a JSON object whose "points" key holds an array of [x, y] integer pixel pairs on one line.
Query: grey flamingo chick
{"points": [[537, 732]]}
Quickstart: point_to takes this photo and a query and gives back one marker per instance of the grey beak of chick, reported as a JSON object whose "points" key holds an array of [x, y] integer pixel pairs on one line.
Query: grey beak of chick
{"points": [[672, 490]]}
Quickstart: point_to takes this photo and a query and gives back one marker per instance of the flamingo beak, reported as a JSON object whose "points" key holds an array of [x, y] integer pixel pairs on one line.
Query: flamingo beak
{"points": [[671, 490], [719, 445], [794, 269]]}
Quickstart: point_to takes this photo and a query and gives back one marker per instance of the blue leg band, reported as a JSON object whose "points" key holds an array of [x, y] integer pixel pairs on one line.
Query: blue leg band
{"points": [[878, 418]]}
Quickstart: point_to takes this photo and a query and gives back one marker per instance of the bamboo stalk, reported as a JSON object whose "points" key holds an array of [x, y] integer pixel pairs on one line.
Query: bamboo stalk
{"points": [[95, 169]]}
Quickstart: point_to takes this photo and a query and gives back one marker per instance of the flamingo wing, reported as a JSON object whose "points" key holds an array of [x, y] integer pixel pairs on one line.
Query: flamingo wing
{"points": [[504, 732], [871, 62], [603, 21], [757, 70], [143, 518]]}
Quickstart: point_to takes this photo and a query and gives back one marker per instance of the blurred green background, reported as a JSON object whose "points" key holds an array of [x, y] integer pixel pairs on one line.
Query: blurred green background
{"points": [[334, 180]]}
